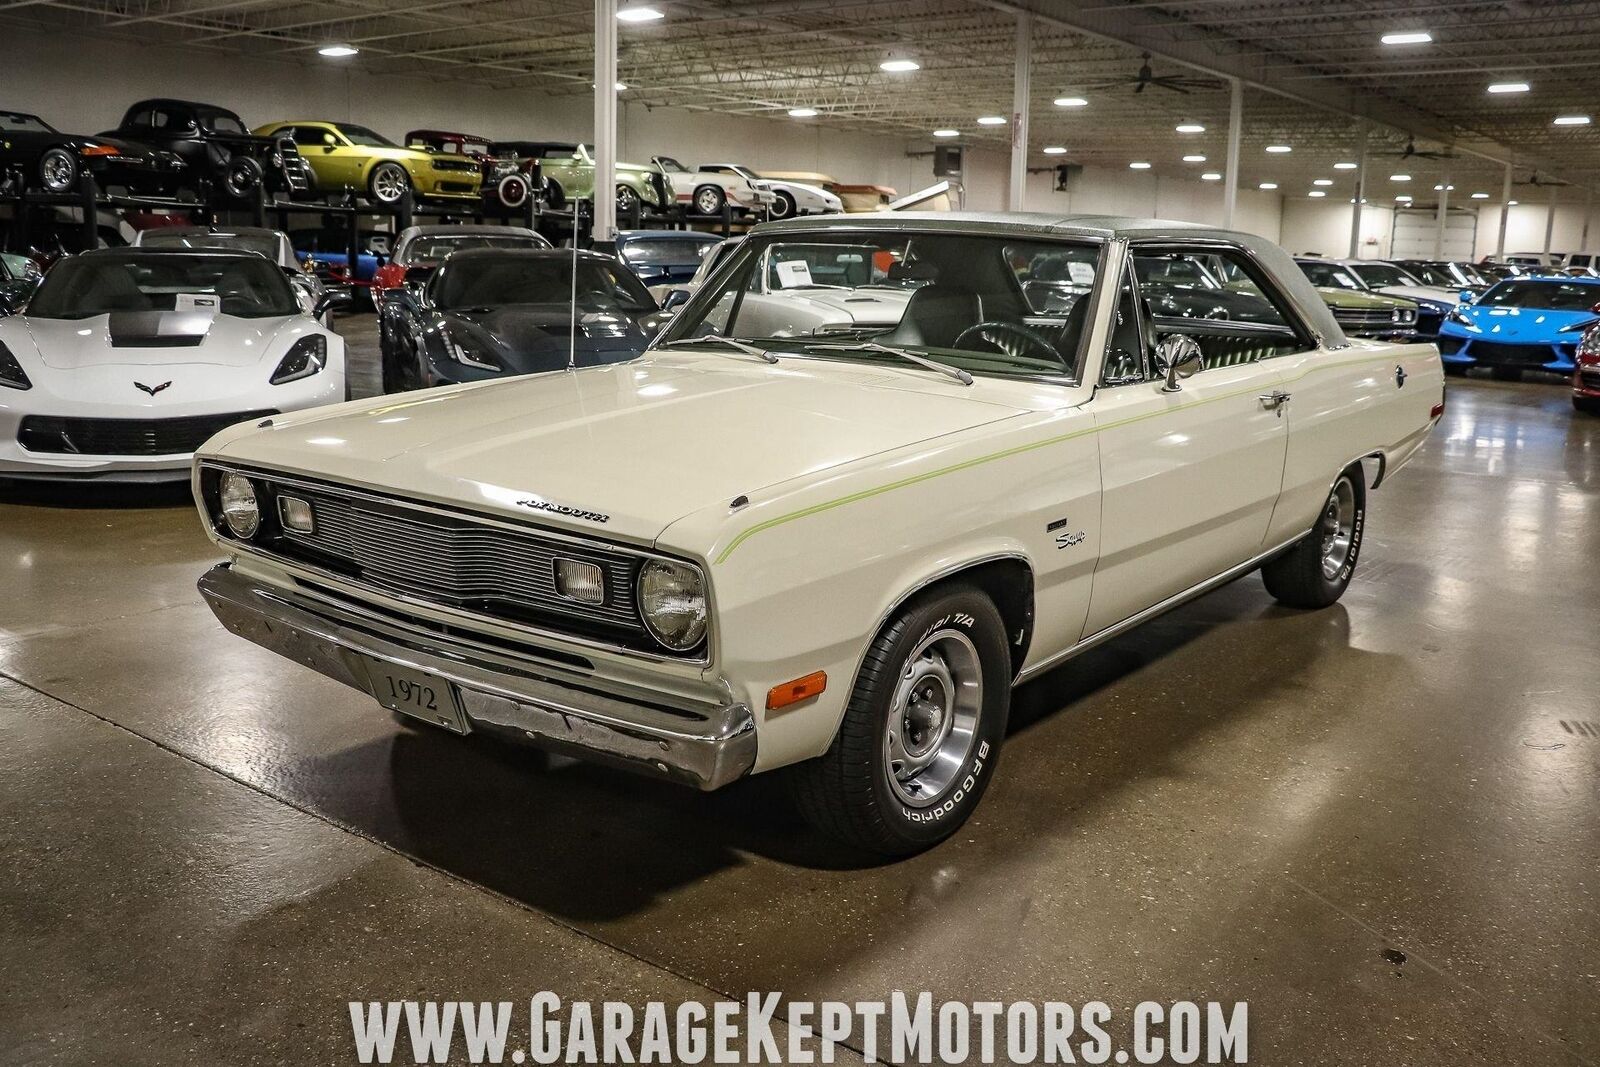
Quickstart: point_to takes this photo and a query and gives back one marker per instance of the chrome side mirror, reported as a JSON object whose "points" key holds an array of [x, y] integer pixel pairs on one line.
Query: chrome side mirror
{"points": [[1178, 356]]}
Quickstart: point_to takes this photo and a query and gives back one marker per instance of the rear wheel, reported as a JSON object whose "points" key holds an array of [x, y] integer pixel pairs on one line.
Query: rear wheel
{"points": [[922, 730], [784, 206], [242, 177], [58, 170], [1315, 571], [708, 199]]}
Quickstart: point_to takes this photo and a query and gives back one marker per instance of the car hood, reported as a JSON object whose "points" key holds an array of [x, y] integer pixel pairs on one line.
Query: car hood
{"points": [[1348, 299], [157, 338], [860, 306], [1427, 293], [535, 337], [642, 443], [1523, 325]]}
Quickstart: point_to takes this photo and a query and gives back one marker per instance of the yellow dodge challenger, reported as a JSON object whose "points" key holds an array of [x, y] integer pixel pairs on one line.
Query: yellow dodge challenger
{"points": [[346, 156]]}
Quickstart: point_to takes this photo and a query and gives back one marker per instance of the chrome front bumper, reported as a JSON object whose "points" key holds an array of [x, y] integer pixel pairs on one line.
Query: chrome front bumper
{"points": [[551, 707]]}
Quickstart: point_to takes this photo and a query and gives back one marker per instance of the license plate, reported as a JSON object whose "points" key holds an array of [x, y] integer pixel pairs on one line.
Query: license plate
{"points": [[417, 694]]}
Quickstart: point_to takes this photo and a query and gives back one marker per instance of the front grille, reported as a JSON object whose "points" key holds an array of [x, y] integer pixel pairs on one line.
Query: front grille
{"points": [[1589, 379], [1493, 353], [462, 165], [457, 187], [124, 437], [1449, 346], [1428, 322], [457, 561], [1369, 320]]}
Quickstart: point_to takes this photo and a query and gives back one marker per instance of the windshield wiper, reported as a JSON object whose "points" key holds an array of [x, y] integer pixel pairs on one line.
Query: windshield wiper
{"points": [[873, 346], [714, 339]]}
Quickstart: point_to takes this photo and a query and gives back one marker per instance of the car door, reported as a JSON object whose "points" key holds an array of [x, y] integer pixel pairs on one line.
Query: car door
{"points": [[1190, 477]]}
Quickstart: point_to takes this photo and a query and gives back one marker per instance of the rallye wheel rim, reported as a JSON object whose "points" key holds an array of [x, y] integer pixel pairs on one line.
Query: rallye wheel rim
{"points": [[389, 183], [779, 208], [1338, 528], [933, 717], [57, 171], [709, 201]]}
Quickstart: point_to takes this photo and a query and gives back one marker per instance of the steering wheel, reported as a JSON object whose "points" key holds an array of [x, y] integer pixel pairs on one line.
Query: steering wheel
{"points": [[1031, 339]]}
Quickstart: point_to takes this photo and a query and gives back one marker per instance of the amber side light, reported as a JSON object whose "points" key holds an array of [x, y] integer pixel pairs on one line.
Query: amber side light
{"points": [[781, 696], [98, 150]]}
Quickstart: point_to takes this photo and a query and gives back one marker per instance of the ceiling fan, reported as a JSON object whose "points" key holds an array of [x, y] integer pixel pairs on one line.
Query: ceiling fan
{"points": [[1542, 183], [1411, 151], [1146, 77]]}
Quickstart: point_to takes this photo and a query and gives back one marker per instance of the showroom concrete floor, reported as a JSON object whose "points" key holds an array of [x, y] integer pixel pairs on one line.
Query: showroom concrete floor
{"points": [[206, 851]]}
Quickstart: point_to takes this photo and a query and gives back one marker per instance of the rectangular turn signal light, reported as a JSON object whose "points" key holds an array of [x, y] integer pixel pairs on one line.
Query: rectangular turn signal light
{"points": [[781, 696]]}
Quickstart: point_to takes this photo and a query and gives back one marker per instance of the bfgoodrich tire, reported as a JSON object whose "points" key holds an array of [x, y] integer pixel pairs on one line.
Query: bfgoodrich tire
{"points": [[1315, 571], [922, 731]]}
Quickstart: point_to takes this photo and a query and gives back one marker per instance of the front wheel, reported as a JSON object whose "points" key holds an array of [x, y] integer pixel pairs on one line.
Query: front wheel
{"points": [[1315, 571], [627, 199], [58, 170], [388, 183], [922, 731], [242, 177], [783, 207]]}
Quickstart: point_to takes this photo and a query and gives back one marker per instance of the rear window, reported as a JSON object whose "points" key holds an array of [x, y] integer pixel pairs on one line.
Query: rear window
{"points": [[85, 286]]}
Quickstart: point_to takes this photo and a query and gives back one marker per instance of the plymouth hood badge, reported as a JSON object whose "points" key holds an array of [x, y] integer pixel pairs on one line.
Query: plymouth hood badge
{"points": [[563, 509], [151, 389]]}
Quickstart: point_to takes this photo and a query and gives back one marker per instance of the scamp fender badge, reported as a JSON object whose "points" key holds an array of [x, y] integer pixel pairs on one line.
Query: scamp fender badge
{"points": [[1066, 538], [562, 509]]}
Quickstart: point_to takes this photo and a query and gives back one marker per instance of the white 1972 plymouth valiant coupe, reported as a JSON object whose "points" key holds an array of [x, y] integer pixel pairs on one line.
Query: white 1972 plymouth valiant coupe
{"points": [[833, 552]]}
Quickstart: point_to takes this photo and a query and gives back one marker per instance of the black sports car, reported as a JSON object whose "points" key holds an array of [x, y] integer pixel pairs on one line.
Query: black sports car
{"points": [[41, 157], [218, 151], [490, 313]]}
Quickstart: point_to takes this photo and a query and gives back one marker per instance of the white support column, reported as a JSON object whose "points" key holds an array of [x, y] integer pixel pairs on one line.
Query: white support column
{"points": [[1230, 173], [605, 120], [1505, 213], [1442, 215], [1361, 192], [1550, 219], [1021, 93], [1588, 209]]}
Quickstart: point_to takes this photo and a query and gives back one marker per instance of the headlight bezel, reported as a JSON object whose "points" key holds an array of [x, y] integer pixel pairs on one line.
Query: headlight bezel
{"points": [[311, 351], [695, 634], [471, 353], [12, 376], [243, 531]]}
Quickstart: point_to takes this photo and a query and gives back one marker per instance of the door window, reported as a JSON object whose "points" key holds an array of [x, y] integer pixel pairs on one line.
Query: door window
{"points": [[1219, 298]]}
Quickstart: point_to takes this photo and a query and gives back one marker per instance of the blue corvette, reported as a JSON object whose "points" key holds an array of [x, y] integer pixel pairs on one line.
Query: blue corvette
{"points": [[1527, 323]]}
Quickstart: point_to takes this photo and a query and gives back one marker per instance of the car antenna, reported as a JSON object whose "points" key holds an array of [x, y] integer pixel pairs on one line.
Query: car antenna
{"points": [[572, 323]]}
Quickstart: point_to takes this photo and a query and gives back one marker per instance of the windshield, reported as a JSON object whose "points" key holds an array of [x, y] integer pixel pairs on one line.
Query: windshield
{"points": [[1383, 275], [85, 286], [427, 250], [16, 122], [664, 252], [1547, 295], [989, 305], [360, 135], [221, 122], [1434, 274], [261, 244], [668, 163], [494, 280], [1330, 276]]}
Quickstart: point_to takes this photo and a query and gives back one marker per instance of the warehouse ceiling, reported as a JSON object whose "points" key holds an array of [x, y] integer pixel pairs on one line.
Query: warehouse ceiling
{"points": [[1309, 68]]}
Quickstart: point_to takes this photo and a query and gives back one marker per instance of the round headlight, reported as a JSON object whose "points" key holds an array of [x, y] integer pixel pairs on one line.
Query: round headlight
{"points": [[672, 599], [239, 508]]}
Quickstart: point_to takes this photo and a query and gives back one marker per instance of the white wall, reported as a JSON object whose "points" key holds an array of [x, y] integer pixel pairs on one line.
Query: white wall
{"points": [[84, 84], [1320, 226]]}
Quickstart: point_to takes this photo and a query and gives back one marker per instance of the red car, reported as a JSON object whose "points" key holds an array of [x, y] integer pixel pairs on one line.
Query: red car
{"points": [[1586, 378], [504, 181]]}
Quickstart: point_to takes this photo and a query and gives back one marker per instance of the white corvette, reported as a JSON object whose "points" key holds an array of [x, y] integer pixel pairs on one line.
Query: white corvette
{"points": [[126, 361], [789, 198]]}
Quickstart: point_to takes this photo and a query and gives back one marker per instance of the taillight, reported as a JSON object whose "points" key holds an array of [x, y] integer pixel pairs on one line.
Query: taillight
{"points": [[389, 276]]}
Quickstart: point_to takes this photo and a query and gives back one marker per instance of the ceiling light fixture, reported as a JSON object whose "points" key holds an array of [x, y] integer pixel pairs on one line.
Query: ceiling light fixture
{"points": [[1190, 127], [1402, 200], [1316, 193], [899, 66], [1444, 188], [802, 112], [1322, 181], [991, 120], [1399, 177], [1345, 166], [1194, 159], [1071, 101], [1055, 150], [638, 13], [1211, 176], [947, 133], [621, 87], [1509, 87], [1511, 203], [1407, 37], [1138, 165], [1279, 149], [1268, 185], [1572, 120], [337, 51], [1480, 196]]}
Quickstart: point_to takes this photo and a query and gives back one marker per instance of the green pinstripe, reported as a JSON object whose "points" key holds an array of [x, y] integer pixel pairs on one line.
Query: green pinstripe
{"points": [[817, 509]]}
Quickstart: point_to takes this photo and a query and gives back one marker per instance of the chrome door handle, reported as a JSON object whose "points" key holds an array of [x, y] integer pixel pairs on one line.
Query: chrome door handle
{"points": [[1274, 401], [1400, 377]]}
